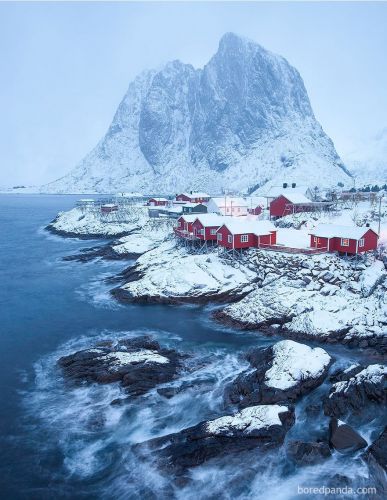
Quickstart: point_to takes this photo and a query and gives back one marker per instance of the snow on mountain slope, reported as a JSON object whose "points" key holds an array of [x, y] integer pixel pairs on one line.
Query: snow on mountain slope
{"points": [[244, 119], [368, 161]]}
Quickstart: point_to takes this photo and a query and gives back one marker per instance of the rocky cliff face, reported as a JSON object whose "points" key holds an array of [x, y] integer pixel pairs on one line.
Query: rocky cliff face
{"points": [[241, 121]]}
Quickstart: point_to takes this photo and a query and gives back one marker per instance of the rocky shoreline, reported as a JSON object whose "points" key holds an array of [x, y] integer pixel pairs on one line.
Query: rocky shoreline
{"points": [[259, 403]]}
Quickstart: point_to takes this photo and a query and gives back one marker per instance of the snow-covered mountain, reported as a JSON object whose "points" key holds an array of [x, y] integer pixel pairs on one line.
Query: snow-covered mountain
{"points": [[242, 120], [368, 161]]}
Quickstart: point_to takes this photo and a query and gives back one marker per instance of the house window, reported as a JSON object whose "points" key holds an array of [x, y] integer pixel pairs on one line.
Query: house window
{"points": [[239, 209], [227, 209], [219, 236], [315, 239], [212, 232], [201, 231], [186, 226], [361, 242], [244, 238], [344, 242], [229, 238]]}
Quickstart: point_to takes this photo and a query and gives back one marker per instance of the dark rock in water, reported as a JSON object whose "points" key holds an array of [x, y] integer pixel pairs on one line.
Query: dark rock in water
{"points": [[282, 373], [102, 251], [343, 375], [139, 364], [376, 456], [358, 392], [339, 481], [308, 453], [343, 438], [261, 427]]}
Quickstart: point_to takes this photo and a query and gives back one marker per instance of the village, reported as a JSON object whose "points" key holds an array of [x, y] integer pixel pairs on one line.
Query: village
{"points": [[236, 223]]}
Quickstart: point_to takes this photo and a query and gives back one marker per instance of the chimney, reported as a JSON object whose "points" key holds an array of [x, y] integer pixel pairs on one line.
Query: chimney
{"points": [[293, 185], [285, 185], [368, 224], [190, 192]]}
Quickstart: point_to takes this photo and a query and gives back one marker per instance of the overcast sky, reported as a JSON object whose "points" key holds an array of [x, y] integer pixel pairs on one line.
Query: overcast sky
{"points": [[64, 67]]}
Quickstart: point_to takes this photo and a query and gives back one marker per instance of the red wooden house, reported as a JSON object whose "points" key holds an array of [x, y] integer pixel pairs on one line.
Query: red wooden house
{"points": [[157, 202], [184, 225], [238, 234], [109, 208], [344, 239], [206, 226], [193, 197], [290, 204]]}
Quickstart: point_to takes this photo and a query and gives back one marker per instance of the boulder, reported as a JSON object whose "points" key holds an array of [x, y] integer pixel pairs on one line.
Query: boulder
{"points": [[357, 392], [139, 364], [262, 427], [282, 372], [343, 438], [377, 461], [308, 453]]}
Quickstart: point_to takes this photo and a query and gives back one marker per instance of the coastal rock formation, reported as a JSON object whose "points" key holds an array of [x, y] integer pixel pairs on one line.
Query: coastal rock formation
{"points": [[343, 438], [139, 364], [242, 120], [358, 392], [281, 373], [170, 274], [315, 297], [263, 427], [308, 453], [377, 461]]}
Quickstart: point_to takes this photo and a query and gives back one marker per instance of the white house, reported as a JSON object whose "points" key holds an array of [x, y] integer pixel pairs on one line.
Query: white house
{"points": [[226, 205]]}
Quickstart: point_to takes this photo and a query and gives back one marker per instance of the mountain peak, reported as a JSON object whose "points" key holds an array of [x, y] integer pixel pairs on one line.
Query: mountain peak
{"points": [[240, 121]]}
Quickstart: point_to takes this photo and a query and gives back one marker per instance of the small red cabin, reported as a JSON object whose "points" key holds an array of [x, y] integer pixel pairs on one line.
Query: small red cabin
{"points": [[206, 226], [108, 208], [184, 225], [344, 239], [255, 210], [235, 234], [193, 197], [157, 202], [291, 204]]}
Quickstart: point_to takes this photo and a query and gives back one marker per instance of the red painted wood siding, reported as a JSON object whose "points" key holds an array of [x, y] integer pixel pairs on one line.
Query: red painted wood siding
{"points": [[236, 239], [255, 211], [335, 244], [277, 206], [183, 225], [197, 227], [156, 203], [189, 199], [319, 243]]}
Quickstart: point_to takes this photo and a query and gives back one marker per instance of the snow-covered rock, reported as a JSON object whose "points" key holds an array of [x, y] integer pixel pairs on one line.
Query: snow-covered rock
{"points": [[282, 372], [172, 274], [91, 223], [263, 427], [358, 392], [241, 121], [139, 364], [331, 307]]}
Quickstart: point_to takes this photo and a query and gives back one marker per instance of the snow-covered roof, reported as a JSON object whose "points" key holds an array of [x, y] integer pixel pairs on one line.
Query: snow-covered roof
{"points": [[336, 231], [276, 191], [196, 195], [228, 201], [109, 205], [189, 217], [236, 225], [158, 199], [295, 197], [193, 205], [211, 219], [86, 200]]}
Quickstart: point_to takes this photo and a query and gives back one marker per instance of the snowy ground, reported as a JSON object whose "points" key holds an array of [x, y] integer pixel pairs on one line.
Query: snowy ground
{"points": [[317, 296], [172, 273], [91, 222]]}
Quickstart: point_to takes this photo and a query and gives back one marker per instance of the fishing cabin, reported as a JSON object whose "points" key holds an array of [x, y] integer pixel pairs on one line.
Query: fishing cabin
{"points": [[344, 239]]}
